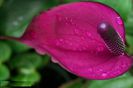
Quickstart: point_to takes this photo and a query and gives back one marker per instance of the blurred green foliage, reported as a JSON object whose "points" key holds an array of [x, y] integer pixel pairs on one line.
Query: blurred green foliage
{"points": [[27, 60], [129, 23], [1, 2], [123, 7], [16, 15], [77, 83], [5, 52], [4, 72], [20, 66], [124, 81], [26, 78], [130, 44], [18, 47]]}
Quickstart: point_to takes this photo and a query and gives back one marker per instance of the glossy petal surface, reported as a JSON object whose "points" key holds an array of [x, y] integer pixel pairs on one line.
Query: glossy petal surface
{"points": [[69, 34]]}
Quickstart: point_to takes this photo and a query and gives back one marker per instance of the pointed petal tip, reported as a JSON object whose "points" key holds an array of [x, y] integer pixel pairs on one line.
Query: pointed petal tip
{"points": [[9, 38]]}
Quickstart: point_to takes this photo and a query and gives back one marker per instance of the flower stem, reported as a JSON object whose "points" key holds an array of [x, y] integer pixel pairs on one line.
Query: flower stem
{"points": [[8, 38]]}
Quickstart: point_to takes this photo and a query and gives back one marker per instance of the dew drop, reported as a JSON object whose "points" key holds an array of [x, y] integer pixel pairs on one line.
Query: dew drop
{"points": [[61, 40], [59, 18], [76, 31], [58, 43], [82, 38], [100, 69], [90, 69], [88, 34], [118, 20], [71, 21], [124, 65], [104, 74], [99, 49], [66, 18]]}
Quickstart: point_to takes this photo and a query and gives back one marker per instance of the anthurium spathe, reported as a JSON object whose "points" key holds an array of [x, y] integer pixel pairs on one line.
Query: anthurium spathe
{"points": [[85, 38]]}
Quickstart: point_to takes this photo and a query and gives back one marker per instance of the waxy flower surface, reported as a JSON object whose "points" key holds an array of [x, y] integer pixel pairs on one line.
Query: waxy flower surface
{"points": [[85, 38]]}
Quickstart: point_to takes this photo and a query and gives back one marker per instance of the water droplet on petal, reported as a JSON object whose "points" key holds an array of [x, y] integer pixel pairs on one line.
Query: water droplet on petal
{"points": [[66, 18], [104, 74], [100, 69], [71, 21], [124, 65], [82, 38], [119, 20], [90, 69], [58, 43], [88, 34], [99, 49], [76, 31], [61, 40]]}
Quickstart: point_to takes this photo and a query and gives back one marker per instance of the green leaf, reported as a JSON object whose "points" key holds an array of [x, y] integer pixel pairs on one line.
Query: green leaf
{"points": [[5, 52], [17, 14], [3, 84], [125, 81], [1, 2], [18, 47], [73, 84], [123, 7], [4, 72], [50, 3], [72, 1], [129, 48], [45, 60], [28, 60], [129, 24], [25, 80], [129, 39]]}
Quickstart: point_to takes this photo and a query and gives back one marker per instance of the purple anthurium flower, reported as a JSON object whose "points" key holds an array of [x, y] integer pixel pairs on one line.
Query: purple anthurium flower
{"points": [[85, 38]]}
